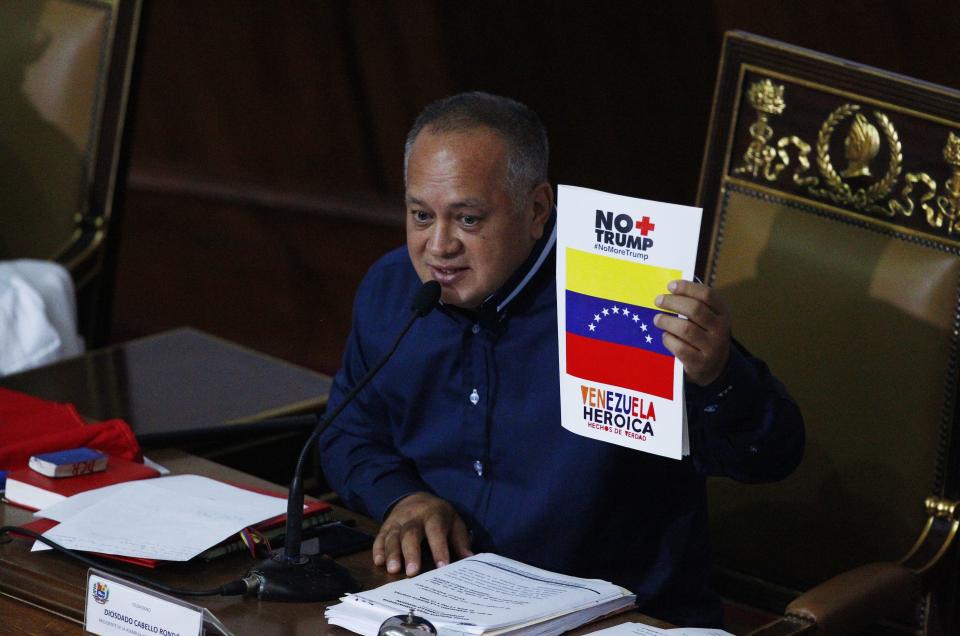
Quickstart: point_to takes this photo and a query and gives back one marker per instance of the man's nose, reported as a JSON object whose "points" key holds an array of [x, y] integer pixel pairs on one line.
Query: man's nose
{"points": [[443, 240]]}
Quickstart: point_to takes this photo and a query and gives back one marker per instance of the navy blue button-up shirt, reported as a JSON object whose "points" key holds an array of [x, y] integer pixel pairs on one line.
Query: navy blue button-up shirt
{"points": [[469, 409]]}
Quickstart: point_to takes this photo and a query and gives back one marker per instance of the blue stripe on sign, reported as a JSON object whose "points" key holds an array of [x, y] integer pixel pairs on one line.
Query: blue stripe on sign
{"points": [[614, 321]]}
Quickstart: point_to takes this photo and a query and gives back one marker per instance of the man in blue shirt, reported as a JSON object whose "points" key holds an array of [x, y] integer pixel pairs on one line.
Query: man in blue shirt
{"points": [[457, 442]]}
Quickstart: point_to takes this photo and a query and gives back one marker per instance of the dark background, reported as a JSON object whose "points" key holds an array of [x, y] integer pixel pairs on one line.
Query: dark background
{"points": [[266, 172]]}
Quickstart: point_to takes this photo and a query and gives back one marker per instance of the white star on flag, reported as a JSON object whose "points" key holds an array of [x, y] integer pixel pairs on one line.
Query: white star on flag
{"points": [[596, 317], [648, 338], [636, 318], [643, 326], [605, 312], [626, 312], [616, 310], [592, 327]]}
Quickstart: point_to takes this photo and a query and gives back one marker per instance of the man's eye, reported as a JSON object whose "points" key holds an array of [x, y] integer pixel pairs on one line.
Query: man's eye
{"points": [[420, 216], [470, 221]]}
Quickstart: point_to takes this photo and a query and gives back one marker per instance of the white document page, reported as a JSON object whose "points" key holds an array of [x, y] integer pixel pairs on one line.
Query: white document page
{"points": [[172, 521], [481, 594], [615, 255], [639, 629], [177, 485]]}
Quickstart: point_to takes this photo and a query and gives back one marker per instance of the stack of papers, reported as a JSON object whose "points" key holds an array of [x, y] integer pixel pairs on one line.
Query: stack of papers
{"points": [[169, 518], [485, 595]]}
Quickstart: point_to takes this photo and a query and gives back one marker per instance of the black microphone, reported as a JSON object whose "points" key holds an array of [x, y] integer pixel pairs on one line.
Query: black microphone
{"points": [[288, 575], [425, 300]]}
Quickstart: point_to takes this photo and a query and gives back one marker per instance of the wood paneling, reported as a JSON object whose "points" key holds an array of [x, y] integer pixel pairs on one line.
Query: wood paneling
{"points": [[623, 88], [279, 280], [912, 38], [253, 93], [267, 157]]}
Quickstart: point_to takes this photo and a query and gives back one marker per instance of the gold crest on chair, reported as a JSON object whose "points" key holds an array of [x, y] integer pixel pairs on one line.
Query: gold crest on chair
{"points": [[860, 184]]}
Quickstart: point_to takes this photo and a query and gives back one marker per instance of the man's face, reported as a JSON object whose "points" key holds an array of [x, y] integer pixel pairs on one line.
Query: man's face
{"points": [[463, 228]]}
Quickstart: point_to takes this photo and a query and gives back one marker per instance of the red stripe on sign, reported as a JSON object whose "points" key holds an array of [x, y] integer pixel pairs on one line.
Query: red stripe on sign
{"points": [[619, 365]]}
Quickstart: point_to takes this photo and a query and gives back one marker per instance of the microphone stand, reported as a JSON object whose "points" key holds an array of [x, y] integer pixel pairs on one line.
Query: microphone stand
{"points": [[289, 575]]}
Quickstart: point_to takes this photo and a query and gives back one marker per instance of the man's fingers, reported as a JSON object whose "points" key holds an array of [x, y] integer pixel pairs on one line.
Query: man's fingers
{"points": [[410, 538], [460, 539], [698, 291], [391, 549], [690, 356], [416, 517], [436, 530], [701, 340], [695, 310], [689, 332], [379, 558], [702, 304]]}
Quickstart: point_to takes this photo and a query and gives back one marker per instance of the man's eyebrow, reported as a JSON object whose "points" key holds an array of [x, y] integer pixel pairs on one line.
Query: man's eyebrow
{"points": [[468, 203], [471, 203]]}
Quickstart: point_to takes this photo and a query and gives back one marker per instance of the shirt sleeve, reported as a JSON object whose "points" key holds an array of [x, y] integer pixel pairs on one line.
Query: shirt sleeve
{"points": [[744, 425], [357, 453]]}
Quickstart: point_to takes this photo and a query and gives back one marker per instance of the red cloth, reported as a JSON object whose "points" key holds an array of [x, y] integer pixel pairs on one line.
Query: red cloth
{"points": [[29, 425]]}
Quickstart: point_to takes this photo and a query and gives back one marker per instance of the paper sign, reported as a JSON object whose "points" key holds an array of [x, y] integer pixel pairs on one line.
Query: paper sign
{"points": [[615, 255], [116, 607]]}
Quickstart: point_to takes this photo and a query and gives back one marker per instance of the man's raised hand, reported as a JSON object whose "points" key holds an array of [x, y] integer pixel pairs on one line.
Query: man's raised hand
{"points": [[702, 342]]}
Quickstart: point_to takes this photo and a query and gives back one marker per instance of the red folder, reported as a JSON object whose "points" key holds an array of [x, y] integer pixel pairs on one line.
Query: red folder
{"points": [[29, 489]]}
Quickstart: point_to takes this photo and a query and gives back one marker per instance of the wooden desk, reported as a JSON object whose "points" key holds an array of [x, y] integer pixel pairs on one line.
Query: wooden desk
{"points": [[177, 384], [55, 585]]}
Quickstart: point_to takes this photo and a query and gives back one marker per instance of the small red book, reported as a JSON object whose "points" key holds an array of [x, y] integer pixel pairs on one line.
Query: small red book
{"points": [[29, 489]]}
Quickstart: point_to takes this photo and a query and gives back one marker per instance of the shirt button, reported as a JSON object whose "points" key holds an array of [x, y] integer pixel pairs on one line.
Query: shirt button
{"points": [[474, 397], [475, 329], [478, 467], [713, 408], [753, 449]]}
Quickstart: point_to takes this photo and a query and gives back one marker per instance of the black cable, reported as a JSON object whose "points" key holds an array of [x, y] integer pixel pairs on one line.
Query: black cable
{"points": [[232, 588]]}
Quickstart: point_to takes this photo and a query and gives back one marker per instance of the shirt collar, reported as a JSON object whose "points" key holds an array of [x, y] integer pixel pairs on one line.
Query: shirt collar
{"points": [[492, 308]]}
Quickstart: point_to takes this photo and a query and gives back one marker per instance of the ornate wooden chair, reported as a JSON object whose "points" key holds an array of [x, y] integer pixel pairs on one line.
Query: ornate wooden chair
{"points": [[834, 193], [65, 71]]}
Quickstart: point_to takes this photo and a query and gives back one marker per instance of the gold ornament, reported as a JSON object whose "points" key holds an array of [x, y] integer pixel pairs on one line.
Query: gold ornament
{"points": [[860, 147], [767, 99], [837, 190], [947, 212]]}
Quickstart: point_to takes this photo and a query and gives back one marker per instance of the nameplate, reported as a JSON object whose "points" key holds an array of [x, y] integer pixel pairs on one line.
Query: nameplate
{"points": [[116, 607]]}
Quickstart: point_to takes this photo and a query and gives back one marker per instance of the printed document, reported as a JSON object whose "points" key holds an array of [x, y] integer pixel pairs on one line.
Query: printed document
{"points": [[168, 518], [484, 594], [618, 381]]}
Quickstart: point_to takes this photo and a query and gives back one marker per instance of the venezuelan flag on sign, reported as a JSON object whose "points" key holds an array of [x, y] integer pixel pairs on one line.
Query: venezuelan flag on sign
{"points": [[609, 323]]}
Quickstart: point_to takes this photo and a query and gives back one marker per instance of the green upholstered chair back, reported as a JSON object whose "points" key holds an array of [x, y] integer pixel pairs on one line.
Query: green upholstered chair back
{"points": [[65, 70], [834, 194]]}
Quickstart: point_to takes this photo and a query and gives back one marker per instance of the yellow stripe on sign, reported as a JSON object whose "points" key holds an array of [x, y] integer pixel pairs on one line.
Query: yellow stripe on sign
{"points": [[616, 279]]}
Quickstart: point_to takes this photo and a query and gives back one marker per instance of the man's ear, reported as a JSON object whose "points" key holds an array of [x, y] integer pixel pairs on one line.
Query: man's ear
{"points": [[541, 207]]}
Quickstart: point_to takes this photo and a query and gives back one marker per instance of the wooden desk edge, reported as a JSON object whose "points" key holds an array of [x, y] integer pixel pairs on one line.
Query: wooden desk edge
{"points": [[21, 583]]}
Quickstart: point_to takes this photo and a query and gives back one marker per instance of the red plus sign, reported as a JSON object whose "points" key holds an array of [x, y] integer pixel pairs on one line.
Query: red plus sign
{"points": [[644, 225]]}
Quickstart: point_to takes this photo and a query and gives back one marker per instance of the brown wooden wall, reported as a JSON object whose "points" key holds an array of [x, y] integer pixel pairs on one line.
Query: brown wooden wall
{"points": [[266, 167]]}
